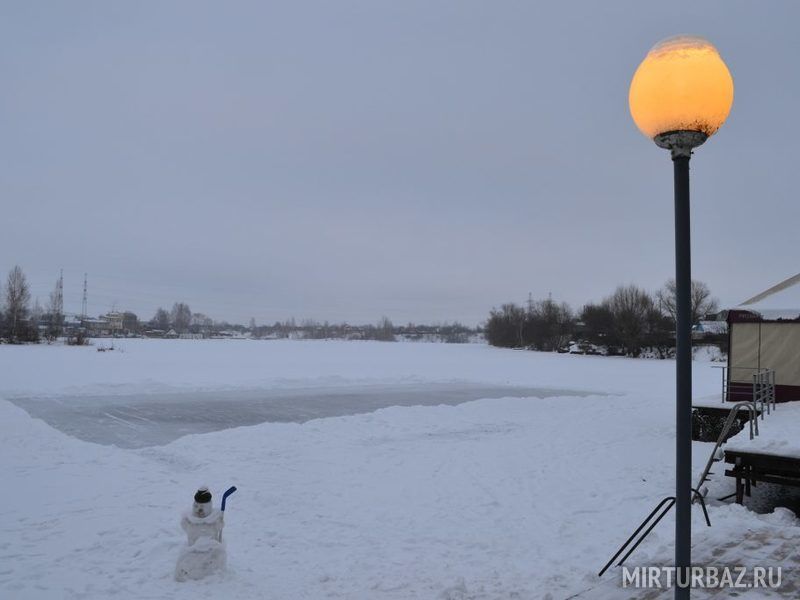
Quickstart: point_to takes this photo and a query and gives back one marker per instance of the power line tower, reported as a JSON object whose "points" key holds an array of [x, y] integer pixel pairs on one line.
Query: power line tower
{"points": [[58, 295], [85, 304]]}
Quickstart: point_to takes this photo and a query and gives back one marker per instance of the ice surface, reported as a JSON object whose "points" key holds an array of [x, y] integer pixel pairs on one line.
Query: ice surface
{"points": [[142, 420]]}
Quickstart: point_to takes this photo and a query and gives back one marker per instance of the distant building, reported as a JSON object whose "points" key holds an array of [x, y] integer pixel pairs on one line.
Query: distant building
{"points": [[191, 336], [95, 327], [114, 320], [706, 329]]}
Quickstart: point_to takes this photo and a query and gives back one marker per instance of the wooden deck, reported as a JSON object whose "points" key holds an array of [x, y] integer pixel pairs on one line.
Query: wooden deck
{"points": [[749, 468]]}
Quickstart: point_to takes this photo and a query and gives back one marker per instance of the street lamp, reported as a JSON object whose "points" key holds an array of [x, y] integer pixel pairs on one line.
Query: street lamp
{"points": [[680, 95]]}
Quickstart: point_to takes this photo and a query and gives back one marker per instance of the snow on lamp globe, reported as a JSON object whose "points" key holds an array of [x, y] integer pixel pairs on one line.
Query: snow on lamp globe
{"points": [[681, 93]]}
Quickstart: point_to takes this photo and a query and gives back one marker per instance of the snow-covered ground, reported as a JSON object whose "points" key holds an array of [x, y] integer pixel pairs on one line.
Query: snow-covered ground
{"points": [[524, 496], [781, 435]]}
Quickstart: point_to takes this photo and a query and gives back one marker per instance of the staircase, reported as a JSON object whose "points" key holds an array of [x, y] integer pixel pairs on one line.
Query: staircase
{"points": [[762, 403]]}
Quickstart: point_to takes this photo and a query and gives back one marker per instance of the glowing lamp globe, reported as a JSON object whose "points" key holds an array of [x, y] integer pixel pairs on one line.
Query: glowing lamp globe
{"points": [[681, 93]]}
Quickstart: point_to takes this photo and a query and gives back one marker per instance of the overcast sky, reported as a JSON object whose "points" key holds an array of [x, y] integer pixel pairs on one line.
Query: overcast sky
{"points": [[347, 160]]}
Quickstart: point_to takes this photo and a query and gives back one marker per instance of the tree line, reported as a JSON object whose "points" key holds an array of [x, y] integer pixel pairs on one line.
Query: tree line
{"points": [[19, 320], [384, 331], [626, 322], [23, 321]]}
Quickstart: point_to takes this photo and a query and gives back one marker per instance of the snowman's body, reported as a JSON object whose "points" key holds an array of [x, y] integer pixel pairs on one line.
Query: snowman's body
{"points": [[209, 526], [204, 553]]}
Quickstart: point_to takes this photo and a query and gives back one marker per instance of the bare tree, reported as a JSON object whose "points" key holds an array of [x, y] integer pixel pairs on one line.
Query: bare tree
{"points": [[385, 330], [598, 324], [702, 302], [160, 320], [55, 311], [632, 309], [18, 298], [201, 324], [548, 325], [181, 317], [506, 326]]}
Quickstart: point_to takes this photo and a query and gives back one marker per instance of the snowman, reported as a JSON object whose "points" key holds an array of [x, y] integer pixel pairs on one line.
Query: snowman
{"points": [[204, 553]]}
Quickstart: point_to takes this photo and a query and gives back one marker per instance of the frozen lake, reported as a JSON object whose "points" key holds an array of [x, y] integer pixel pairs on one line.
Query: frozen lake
{"points": [[521, 494], [154, 419]]}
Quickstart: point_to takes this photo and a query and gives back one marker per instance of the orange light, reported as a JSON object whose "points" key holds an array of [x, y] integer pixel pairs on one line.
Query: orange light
{"points": [[681, 85]]}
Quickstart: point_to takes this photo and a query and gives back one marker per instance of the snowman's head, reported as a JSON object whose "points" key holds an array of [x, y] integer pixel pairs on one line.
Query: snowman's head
{"points": [[203, 505]]}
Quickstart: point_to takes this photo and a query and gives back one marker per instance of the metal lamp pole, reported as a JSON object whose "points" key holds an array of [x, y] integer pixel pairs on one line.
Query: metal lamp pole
{"points": [[680, 94], [680, 143]]}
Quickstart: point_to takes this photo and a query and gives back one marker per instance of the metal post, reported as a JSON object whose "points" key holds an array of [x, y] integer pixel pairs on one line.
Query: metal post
{"points": [[723, 384], [772, 385], [680, 144], [754, 393], [683, 360]]}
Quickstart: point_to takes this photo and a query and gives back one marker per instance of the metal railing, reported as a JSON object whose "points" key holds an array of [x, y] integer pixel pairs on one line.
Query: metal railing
{"points": [[759, 392], [664, 507], [755, 384], [723, 436], [764, 390]]}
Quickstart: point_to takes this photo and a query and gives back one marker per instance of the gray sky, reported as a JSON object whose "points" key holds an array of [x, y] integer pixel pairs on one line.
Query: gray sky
{"points": [[346, 160]]}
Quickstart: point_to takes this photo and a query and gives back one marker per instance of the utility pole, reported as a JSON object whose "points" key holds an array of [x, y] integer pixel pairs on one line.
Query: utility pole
{"points": [[85, 304], [57, 308]]}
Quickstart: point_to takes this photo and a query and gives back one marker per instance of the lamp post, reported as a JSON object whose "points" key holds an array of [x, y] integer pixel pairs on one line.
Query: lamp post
{"points": [[681, 95]]}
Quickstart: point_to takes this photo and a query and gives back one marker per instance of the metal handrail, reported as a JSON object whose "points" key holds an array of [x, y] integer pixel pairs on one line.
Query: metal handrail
{"points": [[764, 390], [762, 383], [731, 418], [772, 387], [669, 501]]}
